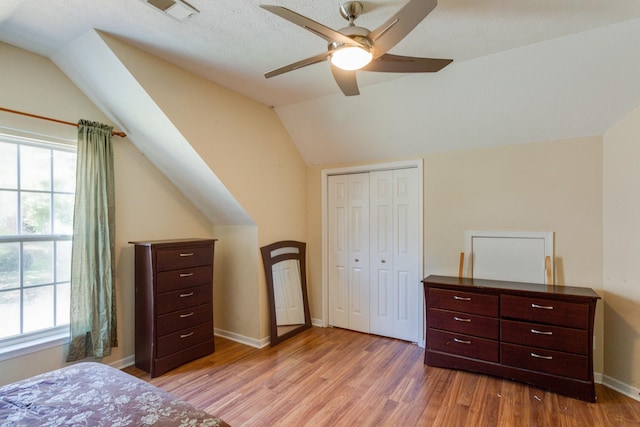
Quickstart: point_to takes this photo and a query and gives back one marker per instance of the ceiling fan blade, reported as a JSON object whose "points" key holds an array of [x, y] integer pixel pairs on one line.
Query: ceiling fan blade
{"points": [[302, 63], [346, 80], [399, 25], [388, 63], [308, 24]]}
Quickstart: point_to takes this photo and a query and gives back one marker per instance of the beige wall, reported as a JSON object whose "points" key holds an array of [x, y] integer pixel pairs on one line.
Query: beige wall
{"points": [[236, 316], [148, 206], [314, 241], [621, 151], [246, 146], [548, 186]]}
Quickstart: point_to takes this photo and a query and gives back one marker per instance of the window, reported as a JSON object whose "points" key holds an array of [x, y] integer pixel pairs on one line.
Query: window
{"points": [[37, 183]]}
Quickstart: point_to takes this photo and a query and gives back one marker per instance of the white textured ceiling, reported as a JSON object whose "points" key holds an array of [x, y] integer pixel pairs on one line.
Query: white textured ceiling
{"points": [[234, 42]]}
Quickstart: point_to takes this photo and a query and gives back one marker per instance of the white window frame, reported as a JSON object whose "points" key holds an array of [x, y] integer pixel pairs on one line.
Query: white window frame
{"points": [[30, 342]]}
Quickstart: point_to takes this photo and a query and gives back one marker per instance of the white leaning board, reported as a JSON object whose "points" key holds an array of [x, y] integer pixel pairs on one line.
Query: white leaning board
{"points": [[508, 255]]}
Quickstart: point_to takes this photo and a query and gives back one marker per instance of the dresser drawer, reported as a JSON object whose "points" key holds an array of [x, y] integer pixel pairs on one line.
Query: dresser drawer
{"points": [[554, 312], [183, 319], [549, 361], [545, 336], [178, 279], [464, 323], [184, 298], [466, 302], [464, 345], [190, 256], [184, 338]]}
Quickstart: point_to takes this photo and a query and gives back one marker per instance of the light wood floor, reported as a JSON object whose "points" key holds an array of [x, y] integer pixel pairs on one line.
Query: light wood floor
{"points": [[334, 377]]}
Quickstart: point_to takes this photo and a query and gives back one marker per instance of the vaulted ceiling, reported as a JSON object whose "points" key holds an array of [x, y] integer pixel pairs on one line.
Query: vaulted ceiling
{"points": [[523, 71]]}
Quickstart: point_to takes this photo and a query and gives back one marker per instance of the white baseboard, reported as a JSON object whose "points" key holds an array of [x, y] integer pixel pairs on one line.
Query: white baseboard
{"points": [[123, 363], [261, 343], [252, 342], [621, 387], [597, 377]]}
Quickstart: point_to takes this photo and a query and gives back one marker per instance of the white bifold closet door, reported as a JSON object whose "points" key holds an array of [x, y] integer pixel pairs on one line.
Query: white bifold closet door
{"points": [[374, 277], [349, 251], [395, 292]]}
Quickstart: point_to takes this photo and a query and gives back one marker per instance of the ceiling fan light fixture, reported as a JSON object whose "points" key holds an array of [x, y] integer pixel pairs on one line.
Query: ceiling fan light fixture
{"points": [[351, 58]]}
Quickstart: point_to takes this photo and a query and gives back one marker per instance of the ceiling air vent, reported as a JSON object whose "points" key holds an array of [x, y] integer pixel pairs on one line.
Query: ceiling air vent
{"points": [[178, 9]]}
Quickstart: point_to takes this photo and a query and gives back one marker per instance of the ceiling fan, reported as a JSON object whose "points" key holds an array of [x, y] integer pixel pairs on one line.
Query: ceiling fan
{"points": [[356, 48]]}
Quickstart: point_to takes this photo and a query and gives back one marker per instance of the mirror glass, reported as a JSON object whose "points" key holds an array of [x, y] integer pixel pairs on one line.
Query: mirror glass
{"points": [[284, 265]]}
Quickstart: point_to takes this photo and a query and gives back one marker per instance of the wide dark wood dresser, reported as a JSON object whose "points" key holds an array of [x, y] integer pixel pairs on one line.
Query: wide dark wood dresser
{"points": [[173, 302], [536, 334]]}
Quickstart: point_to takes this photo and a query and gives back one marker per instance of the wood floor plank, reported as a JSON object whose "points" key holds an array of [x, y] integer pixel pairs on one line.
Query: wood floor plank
{"points": [[331, 376], [485, 404]]}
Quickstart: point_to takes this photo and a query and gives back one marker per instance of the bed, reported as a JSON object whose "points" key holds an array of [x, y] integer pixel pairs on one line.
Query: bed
{"points": [[93, 394]]}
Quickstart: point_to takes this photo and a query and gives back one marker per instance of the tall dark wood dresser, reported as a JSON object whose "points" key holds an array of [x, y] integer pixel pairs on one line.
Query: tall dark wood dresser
{"points": [[173, 302], [537, 334]]}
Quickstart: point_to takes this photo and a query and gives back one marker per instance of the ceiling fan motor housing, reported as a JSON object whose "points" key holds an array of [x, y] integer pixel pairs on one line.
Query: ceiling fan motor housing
{"points": [[351, 10], [358, 34]]}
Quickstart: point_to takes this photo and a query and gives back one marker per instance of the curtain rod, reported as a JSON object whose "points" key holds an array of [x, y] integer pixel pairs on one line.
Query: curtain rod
{"points": [[113, 133]]}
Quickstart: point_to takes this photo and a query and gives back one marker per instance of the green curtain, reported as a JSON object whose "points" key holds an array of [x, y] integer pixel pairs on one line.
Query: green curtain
{"points": [[93, 295]]}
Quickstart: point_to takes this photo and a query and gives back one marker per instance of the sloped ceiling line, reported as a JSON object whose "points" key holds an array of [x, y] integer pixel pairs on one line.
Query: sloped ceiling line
{"points": [[98, 72]]}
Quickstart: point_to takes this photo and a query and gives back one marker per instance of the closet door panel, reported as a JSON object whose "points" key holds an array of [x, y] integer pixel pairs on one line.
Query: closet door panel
{"points": [[381, 249], [408, 313], [358, 232], [338, 225], [396, 310]]}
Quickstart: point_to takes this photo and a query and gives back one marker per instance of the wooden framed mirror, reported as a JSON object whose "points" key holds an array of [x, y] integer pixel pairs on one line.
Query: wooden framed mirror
{"points": [[286, 274]]}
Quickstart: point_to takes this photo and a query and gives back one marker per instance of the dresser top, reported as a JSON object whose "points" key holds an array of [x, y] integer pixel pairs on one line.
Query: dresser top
{"points": [[174, 242], [478, 284]]}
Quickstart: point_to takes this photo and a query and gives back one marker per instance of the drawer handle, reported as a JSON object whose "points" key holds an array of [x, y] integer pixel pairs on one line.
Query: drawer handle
{"points": [[191, 333], [535, 331], [186, 315], [460, 319], [186, 295], [187, 254], [544, 307], [186, 274], [541, 357], [461, 341], [456, 297]]}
